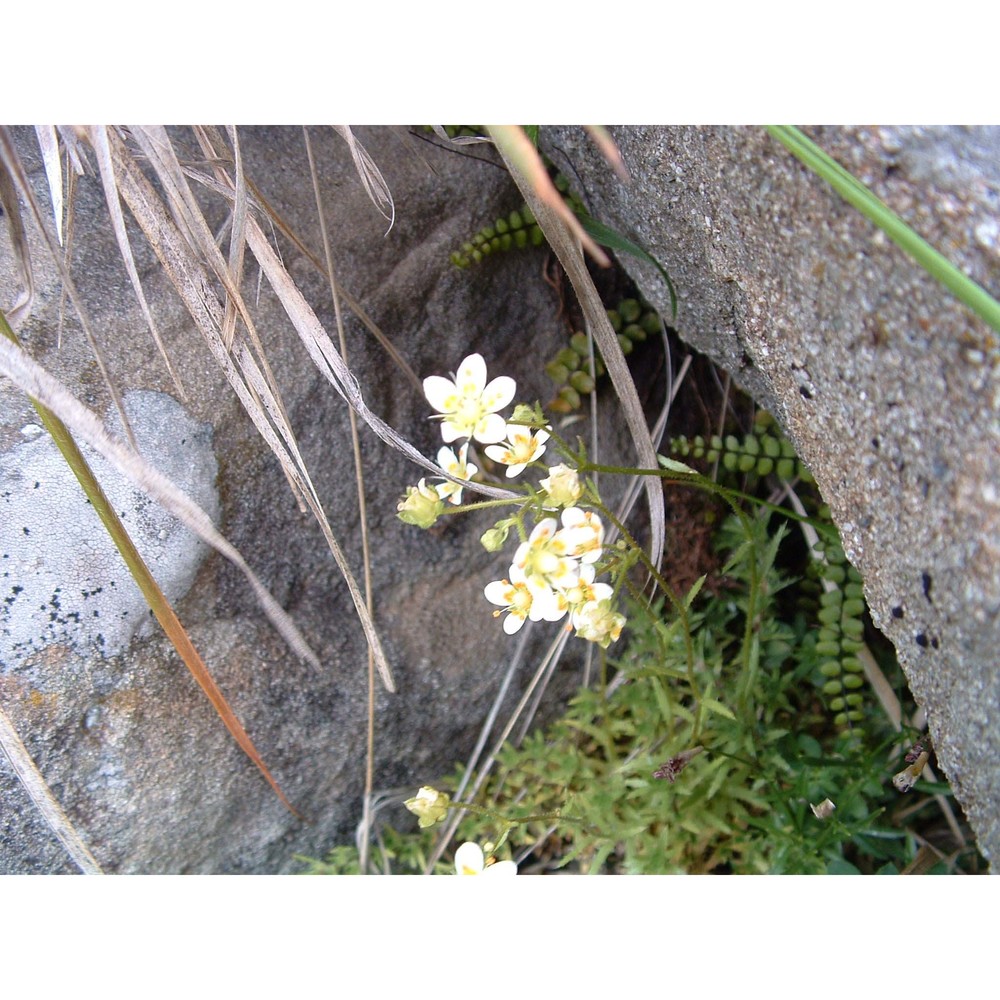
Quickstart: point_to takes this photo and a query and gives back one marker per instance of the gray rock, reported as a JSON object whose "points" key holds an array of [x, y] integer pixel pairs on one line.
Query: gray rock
{"points": [[889, 389], [63, 580], [129, 745]]}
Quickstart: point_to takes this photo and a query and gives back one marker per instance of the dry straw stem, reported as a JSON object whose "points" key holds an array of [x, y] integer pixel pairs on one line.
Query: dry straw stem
{"points": [[41, 795], [251, 381], [13, 167], [359, 483], [566, 245]]}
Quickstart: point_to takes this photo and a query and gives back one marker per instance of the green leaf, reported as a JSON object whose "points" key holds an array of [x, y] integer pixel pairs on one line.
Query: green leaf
{"points": [[614, 241], [695, 588], [673, 466], [718, 708], [841, 867]]}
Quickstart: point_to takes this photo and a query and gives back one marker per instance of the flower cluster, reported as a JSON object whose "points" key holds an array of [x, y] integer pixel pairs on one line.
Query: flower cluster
{"points": [[552, 574]]}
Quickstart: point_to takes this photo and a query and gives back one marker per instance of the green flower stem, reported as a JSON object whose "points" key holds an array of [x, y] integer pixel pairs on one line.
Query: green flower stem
{"points": [[504, 823]]}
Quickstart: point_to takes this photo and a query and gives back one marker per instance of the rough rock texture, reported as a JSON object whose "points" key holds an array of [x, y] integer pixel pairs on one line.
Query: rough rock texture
{"points": [[128, 743], [63, 579], [889, 389]]}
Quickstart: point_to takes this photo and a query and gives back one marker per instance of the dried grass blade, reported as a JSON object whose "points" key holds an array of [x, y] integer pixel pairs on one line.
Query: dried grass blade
{"points": [[19, 242], [13, 165], [45, 802], [519, 154], [609, 150], [98, 137], [32, 379], [563, 242], [144, 579], [250, 383], [199, 239], [48, 143], [209, 139], [371, 177], [283, 227], [360, 485], [328, 360]]}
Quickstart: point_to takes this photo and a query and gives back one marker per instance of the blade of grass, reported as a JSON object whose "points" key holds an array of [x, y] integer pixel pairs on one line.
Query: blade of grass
{"points": [[371, 177], [41, 795], [151, 591], [607, 237], [518, 151], [98, 136], [360, 485], [13, 166], [246, 378], [33, 380], [19, 244], [48, 144], [856, 194], [563, 242]]}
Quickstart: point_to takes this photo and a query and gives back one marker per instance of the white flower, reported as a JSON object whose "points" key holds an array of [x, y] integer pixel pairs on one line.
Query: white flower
{"points": [[546, 558], [468, 404], [521, 447], [597, 621], [584, 533], [522, 602], [563, 486], [458, 465], [469, 860], [584, 591]]}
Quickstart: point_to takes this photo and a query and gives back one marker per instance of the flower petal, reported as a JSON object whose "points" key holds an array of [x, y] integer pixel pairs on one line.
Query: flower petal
{"points": [[441, 393], [499, 392], [471, 376], [501, 868], [491, 429], [469, 859]]}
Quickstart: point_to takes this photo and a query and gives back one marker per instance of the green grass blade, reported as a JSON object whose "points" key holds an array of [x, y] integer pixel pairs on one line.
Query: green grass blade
{"points": [[857, 195], [607, 237]]}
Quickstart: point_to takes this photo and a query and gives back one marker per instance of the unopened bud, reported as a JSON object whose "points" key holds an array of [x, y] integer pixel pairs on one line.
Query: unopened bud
{"points": [[429, 805], [563, 486], [493, 539], [421, 506]]}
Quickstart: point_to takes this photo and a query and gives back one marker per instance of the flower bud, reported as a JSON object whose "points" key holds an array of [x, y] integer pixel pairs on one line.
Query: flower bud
{"points": [[421, 506], [430, 806], [563, 486], [524, 414], [493, 540]]}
